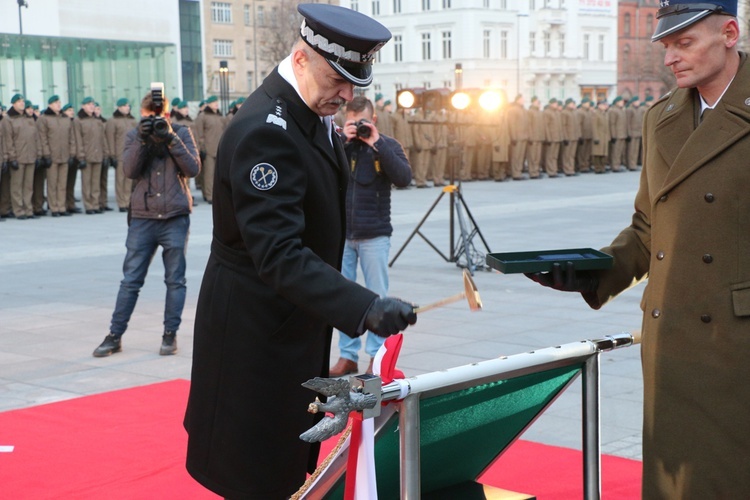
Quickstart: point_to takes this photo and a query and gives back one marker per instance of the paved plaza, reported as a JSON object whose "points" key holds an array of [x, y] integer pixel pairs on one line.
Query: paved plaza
{"points": [[59, 279]]}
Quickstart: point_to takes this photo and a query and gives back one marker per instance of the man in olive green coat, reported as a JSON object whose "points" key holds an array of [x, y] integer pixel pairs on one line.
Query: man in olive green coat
{"points": [[58, 145], [208, 128], [89, 136], [22, 150], [115, 130], [689, 236]]}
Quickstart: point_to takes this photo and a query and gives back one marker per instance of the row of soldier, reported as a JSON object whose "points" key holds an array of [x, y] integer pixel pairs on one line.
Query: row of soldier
{"points": [[47, 149], [515, 142]]}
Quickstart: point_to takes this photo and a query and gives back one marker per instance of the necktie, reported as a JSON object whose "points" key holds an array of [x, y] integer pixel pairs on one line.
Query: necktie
{"points": [[705, 113]]}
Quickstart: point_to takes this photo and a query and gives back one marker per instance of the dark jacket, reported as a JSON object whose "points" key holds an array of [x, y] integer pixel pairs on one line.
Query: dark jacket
{"points": [[160, 190], [270, 294], [368, 195]]}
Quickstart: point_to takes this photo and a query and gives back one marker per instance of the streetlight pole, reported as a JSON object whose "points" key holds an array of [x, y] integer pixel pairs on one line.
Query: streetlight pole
{"points": [[22, 3], [224, 85]]}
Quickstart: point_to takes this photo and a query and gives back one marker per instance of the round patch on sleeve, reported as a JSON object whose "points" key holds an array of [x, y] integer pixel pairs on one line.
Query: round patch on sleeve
{"points": [[264, 176]]}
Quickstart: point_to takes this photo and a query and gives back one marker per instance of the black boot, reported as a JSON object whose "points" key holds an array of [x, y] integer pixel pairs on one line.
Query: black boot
{"points": [[168, 344], [112, 344]]}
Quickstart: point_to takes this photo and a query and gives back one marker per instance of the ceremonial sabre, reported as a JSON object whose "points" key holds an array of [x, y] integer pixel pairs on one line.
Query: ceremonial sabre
{"points": [[470, 293]]}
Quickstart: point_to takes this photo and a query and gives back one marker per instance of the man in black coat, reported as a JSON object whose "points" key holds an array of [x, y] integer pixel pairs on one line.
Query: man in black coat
{"points": [[272, 291]]}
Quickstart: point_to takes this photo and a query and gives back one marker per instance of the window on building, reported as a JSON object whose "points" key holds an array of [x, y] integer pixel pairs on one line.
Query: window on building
{"points": [[586, 48], [626, 60], [447, 45], [274, 16], [247, 14], [626, 24], [426, 52], [260, 16], [503, 4], [650, 23], [446, 4], [486, 44], [425, 5], [503, 45], [397, 6], [547, 43], [561, 42], [486, 4], [250, 81], [398, 48], [221, 12], [532, 5], [354, 5], [248, 49], [375, 7], [532, 43], [601, 47], [223, 48]]}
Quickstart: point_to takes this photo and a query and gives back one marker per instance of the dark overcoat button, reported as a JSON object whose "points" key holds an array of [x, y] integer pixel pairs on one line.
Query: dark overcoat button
{"points": [[709, 198], [655, 313], [708, 258], [706, 318]]}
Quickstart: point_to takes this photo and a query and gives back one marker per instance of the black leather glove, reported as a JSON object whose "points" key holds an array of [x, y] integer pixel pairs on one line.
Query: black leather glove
{"points": [[146, 127], [13, 164], [113, 162], [580, 142], [72, 162], [81, 164], [389, 316], [612, 140], [202, 154], [4, 167], [105, 162], [627, 139], [546, 143], [38, 163], [47, 162], [565, 142], [567, 280], [596, 141]]}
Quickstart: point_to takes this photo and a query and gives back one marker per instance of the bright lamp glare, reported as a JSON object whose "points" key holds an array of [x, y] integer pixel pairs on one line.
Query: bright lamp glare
{"points": [[490, 100], [460, 100], [406, 99]]}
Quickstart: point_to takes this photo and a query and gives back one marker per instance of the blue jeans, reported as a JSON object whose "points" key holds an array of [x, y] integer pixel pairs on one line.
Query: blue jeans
{"points": [[144, 237], [373, 257]]}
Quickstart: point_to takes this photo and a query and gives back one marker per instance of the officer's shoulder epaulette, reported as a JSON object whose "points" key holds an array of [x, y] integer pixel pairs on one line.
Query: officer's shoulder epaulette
{"points": [[277, 113], [664, 97]]}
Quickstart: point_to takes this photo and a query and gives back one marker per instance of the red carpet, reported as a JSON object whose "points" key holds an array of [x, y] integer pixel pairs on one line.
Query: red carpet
{"points": [[130, 444]]}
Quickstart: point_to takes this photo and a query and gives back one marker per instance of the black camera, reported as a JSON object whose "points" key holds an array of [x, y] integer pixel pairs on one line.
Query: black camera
{"points": [[160, 125], [363, 130]]}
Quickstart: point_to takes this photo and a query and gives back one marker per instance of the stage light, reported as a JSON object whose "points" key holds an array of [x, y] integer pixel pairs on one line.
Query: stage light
{"points": [[490, 100], [409, 98], [460, 100]]}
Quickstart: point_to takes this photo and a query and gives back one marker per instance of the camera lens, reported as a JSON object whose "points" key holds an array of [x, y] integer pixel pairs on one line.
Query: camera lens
{"points": [[160, 126], [363, 130]]}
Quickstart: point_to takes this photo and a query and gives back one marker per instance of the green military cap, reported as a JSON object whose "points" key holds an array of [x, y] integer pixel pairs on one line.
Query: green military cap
{"points": [[27, 104], [617, 99], [569, 100], [87, 100], [232, 104], [97, 104], [378, 96], [585, 100], [633, 99], [201, 103], [52, 99], [123, 101], [649, 98], [66, 107], [240, 100], [387, 102], [211, 99], [35, 107], [15, 98], [553, 101], [175, 101], [182, 104]]}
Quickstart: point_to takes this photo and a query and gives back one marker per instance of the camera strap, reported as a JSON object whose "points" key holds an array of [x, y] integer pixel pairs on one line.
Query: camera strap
{"points": [[376, 160]]}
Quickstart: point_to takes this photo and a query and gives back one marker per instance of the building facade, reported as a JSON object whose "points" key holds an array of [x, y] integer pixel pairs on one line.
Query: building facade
{"points": [[547, 48], [74, 49]]}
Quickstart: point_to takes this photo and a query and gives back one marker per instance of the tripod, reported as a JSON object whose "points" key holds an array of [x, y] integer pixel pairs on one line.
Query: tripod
{"points": [[464, 248]]}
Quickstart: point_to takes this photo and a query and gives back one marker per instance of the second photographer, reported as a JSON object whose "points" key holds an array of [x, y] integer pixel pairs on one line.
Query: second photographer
{"points": [[160, 158], [375, 163]]}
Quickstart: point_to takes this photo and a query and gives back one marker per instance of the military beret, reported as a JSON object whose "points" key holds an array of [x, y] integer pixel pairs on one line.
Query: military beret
{"points": [[378, 96], [553, 101], [585, 100], [15, 98], [633, 99], [176, 101], [182, 104], [649, 98], [66, 107], [617, 99], [123, 101], [682, 13], [569, 100], [35, 107], [347, 39], [240, 100], [87, 100], [52, 99], [201, 103], [27, 104], [232, 104], [387, 102], [97, 104], [211, 99]]}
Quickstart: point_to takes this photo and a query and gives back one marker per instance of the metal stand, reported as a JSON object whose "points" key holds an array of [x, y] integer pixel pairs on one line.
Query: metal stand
{"points": [[465, 247]]}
